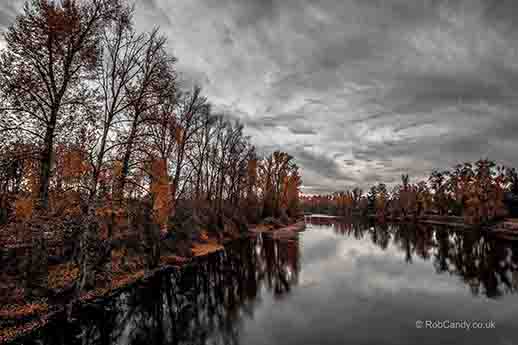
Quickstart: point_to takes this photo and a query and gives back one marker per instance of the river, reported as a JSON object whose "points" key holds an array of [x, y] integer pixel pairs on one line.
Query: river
{"points": [[336, 283]]}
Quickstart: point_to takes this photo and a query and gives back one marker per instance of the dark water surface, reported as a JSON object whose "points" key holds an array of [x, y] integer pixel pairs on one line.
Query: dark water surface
{"points": [[336, 284]]}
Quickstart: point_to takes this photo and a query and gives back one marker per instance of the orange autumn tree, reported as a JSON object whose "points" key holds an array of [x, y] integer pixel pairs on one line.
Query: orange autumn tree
{"points": [[274, 172], [25, 201], [116, 173], [291, 192], [344, 202], [381, 200], [72, 167], [161, 193], [108, 208], [23, 208], [75, 165], [485, 194], [460, 185], [439, 189], [424, 198]]}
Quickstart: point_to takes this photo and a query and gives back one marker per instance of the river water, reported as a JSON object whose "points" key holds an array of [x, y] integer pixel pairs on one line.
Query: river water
{"points": [[335, 283]]}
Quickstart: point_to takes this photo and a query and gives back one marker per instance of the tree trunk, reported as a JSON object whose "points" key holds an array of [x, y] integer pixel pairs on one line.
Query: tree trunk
{"points": [[46, 164], [98, 166], [36, 281], [151, 240], [95, 253], [177, 175], [121, 183]]}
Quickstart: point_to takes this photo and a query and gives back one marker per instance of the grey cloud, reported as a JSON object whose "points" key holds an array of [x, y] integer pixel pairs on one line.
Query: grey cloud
{"points": [[302, 130], [8, 12], [325, 166]]}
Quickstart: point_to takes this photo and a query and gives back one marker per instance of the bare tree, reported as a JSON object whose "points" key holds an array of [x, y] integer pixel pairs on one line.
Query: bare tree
{"points": [[51, 48], [122, 48], [154, 80]]}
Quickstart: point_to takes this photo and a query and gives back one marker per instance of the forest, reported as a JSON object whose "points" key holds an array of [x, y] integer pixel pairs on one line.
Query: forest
{"points": [[478, 193], [108, 166]]}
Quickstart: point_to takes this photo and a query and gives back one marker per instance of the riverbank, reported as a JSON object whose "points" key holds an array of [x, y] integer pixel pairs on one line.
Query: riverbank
{"points": [[285, 232], [452, 221], [506, 228], [18, 321]]}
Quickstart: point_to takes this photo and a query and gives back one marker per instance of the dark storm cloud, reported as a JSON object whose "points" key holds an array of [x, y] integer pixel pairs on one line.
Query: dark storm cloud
{"points": [[315, 161], [359, 91]]}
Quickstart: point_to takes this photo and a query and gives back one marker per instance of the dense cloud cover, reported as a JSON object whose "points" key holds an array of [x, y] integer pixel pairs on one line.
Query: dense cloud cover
{"points": [[359, 91]]}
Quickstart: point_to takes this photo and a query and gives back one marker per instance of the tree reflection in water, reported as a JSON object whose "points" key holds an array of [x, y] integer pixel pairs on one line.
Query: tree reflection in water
{"points": [[488, 265], [203, 303], [209, 301]]}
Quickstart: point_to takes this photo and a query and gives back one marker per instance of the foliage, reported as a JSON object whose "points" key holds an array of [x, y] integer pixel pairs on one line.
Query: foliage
{"points": [[475, 192]]}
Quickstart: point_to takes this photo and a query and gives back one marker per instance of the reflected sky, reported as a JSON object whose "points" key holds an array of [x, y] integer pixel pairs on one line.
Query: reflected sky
{"points": [[351, 290]]}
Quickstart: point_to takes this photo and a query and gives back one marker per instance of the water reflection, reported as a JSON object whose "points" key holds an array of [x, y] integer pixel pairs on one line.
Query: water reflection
{"points": [[359, 283], [488, 265], [203, 303]]}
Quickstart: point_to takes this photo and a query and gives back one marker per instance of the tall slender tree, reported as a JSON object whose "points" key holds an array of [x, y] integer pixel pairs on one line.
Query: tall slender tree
{"points": [[51, 49]]}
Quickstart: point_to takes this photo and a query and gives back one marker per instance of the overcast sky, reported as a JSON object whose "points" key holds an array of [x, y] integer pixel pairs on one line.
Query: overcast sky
{"points": [[359, 91]]}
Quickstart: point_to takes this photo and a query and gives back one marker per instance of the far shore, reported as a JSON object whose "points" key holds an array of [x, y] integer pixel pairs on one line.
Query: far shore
{"points": [[506, 228]]}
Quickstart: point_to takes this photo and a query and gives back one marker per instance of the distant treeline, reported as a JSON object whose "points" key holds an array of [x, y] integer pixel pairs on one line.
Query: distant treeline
{"points": [[479, 192], [96, 134]]}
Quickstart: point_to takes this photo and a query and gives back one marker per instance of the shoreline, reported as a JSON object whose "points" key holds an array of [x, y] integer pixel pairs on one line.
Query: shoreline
{"points": [[39, 318], [506, 228]]}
